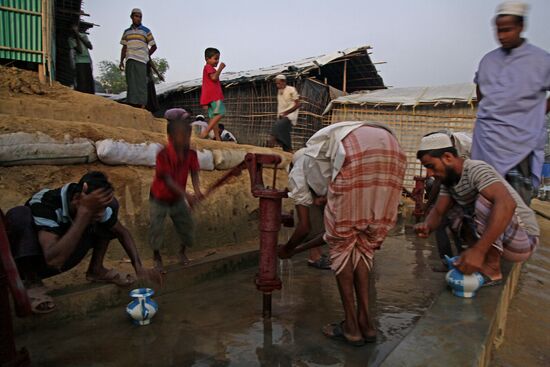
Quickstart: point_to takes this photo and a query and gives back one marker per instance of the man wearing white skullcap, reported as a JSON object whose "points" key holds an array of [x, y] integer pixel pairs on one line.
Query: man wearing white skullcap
{"points": [[497, 220], [462, 141], [512, 82], [288, 105], [138, 44]]}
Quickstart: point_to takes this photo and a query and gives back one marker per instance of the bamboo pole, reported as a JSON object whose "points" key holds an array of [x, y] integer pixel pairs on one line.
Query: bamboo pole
{"points": [[345, 82], [41, 66], [49, 18]]}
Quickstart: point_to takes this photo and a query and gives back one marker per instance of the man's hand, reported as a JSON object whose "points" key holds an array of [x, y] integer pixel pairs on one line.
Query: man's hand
{"points": [[283, 252], [150, 275], [470, 261], [121, 66], [193, 200], [94, 202], [199, 196], [422, 230], [320, 200], [221, 66]]}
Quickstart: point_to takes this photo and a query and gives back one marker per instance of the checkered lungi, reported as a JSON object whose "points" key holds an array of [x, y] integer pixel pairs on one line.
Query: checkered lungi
{"points": [[515, 244], [363, 199]]}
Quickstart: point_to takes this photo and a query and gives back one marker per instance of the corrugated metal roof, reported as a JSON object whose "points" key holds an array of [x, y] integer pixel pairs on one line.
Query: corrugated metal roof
{"points": [[21, 30], [411, 96], [294, 68]]}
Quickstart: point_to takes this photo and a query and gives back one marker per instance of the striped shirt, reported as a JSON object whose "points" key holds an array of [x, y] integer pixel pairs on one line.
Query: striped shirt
{"points": [[476, 177], [137, 41], [51, 212]]}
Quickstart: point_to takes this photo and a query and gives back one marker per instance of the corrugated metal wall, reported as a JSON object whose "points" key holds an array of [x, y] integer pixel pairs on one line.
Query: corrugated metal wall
{"points": [[21, 30]]}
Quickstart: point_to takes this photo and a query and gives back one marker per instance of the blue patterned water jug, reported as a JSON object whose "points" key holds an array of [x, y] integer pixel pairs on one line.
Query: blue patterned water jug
{"points": [[462, 285], [142, 308]]}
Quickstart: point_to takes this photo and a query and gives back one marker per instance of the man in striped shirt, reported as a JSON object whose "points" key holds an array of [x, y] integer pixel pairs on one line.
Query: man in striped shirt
{"points": [[138, 44], [500, 223], [56, 228]]}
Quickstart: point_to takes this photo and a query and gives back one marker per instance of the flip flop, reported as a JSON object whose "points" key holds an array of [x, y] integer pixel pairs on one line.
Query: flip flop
{"points": [[488, 282], [112, 276], [337, 333], [322, 263], [38, 297]]}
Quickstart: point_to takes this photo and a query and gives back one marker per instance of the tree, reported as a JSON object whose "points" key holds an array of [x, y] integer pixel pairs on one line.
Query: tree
{"points": [[112, 79], [162, 67]]}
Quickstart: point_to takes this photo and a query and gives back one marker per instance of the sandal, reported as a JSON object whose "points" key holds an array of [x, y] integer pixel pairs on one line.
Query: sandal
{"points": [[40, 302], [337, 332], [488, 282], [322, 263], [112, 276]]}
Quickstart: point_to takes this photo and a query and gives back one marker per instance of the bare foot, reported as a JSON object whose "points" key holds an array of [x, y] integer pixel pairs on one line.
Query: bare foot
{"points": [[159, 266], [184, 260], [491, 266]]}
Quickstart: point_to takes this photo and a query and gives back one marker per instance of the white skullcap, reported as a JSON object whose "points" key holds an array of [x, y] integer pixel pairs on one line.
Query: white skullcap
{"points": [[435, 141], [136, 10], [513, 8], [200, 117], [280, 77]]}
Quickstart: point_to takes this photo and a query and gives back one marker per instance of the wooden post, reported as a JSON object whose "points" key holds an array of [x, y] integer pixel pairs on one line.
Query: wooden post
{"points": [[41, 73], [41, 66], [345, 82]]}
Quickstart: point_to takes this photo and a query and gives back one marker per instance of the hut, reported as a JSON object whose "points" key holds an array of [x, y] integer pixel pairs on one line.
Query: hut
{"points": [[251, 96], [411, 112], [33, 36]]}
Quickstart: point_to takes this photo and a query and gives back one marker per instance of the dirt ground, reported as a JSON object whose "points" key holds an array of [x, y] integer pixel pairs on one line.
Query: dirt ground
{"points": [[224, 219], [527, 336]]}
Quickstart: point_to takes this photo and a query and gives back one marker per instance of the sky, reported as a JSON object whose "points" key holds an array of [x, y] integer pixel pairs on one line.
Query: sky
{"points": [[422, 42]]}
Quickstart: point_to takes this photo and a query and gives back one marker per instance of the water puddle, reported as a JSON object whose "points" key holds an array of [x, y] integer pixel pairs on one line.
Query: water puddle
{"points": [[218, 323]]}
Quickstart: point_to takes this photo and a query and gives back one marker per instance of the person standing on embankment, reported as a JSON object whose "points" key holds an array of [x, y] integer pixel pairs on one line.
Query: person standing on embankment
{"points": [[138, 44]]}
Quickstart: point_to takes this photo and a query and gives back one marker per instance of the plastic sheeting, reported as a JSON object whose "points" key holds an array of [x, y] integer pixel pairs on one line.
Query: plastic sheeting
{"points": [[411, 96]]}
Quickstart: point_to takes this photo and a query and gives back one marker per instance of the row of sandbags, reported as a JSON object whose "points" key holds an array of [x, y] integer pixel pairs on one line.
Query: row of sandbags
{"points": [[17, 149]]}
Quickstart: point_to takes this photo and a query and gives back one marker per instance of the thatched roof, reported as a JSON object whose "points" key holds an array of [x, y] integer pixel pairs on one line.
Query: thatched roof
{"points": [[361, 73]]}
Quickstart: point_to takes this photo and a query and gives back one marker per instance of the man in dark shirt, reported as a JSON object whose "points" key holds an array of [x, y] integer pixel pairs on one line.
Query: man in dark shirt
{"points": [[55, 229]]}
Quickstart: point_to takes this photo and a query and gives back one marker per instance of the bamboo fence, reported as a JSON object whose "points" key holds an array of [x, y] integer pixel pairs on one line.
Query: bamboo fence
{"points": [[251, 109], [410, 124]]}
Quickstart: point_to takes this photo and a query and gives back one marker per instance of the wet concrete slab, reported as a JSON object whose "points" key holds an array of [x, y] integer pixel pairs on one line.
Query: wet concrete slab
{"points": [[81, 300], [526, 341], [463, 332], [218, 322], [454, 332]]}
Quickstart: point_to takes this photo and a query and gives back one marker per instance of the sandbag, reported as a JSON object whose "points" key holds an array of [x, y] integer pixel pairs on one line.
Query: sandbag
{"points": [[227, 158], [206, 160], [119, 152], [37, 148]]}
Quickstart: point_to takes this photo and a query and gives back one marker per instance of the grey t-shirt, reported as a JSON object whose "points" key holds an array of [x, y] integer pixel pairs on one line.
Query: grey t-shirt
{"points": [[478, 175]]}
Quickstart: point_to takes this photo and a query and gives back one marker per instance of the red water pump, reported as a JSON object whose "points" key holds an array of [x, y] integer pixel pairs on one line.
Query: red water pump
{"points": [[271, 218]]}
